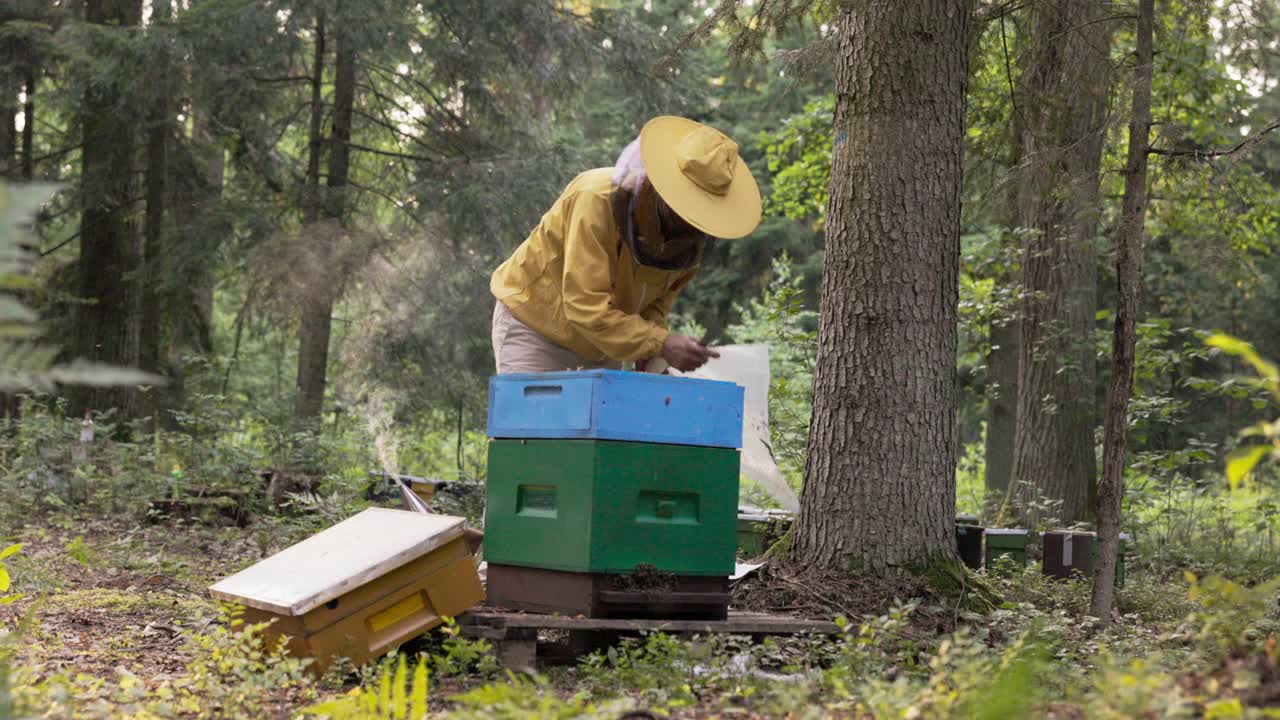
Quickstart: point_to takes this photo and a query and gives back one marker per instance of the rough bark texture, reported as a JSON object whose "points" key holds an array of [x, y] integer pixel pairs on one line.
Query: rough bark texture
{"points": [[8, 130], [10, 83], [317, 304], [29, 126], [211, 162], [157, 182], [1062, 107], [197, 170], [879, 490], [106, 324], [1002, 408], [1129, 238]]}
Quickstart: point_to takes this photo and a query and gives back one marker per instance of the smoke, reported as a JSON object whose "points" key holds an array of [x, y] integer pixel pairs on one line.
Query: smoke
{"points": [[379, 417]]}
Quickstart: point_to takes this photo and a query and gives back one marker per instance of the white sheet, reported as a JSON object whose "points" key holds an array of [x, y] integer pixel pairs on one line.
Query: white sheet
{"points": [[748, 366]]}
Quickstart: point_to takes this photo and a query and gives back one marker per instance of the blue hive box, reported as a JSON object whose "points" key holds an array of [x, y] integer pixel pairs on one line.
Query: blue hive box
{"points": [[616, 405]]}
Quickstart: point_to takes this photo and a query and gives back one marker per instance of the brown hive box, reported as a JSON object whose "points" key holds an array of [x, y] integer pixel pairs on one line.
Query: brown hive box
{"points": [[361, 587]]}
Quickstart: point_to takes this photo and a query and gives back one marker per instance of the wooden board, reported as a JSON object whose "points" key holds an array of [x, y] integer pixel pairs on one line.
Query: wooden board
{"points": [[331, 563], [742, 623]]}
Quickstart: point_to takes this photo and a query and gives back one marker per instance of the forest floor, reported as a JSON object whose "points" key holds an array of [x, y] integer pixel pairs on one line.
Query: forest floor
{"points": [[116, 621]]}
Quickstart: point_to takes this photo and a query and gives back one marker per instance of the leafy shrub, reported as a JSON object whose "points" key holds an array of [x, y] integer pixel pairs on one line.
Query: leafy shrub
{"points": [[1229, 618], [7, 597], [778, 317], [459, 655], [517, 698]]}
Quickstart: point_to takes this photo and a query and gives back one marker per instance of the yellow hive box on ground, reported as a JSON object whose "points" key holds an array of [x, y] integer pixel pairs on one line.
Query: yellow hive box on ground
{"points": [[424, 489], [361, 587]]}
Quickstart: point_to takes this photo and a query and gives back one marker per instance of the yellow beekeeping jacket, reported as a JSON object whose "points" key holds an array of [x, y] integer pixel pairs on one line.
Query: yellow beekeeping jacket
{"points": [[578, 284]]}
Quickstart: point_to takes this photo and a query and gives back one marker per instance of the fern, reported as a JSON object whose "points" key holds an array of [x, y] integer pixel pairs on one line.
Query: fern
{"points": [[393, 698]]}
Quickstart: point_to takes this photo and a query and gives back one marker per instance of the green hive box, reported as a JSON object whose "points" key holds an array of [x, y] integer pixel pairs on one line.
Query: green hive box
{"points": [[1005, 541], [607, 506], [1120, 553]]}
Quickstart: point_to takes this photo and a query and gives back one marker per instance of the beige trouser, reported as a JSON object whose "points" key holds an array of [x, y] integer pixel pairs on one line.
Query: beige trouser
{"points": [[517, 348]]}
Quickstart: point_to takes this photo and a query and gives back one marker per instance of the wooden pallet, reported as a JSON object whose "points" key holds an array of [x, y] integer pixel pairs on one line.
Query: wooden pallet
{"points": [[515, 635], [601, 595]]}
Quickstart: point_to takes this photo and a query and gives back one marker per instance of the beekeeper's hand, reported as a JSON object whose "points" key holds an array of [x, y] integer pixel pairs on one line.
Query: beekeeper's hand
{"points": [[686, 354]]}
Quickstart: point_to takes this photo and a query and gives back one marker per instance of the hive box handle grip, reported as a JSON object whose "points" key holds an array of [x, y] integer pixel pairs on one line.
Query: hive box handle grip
{"points": [[533, 391]]}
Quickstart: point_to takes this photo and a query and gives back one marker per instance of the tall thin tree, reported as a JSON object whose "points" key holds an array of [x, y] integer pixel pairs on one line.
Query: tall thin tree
{"points": [[1129, 240], [317, 307], [157, 184]]}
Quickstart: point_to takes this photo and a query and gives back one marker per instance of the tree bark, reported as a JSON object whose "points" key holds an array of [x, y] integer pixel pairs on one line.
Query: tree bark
{"points": [[879, 493], [1002, 408], [1129, 240], [1062, 105], [315, 135], [157, 183], [211, 163], [8, 131], [317, 305], [29, 126], [106, 323]]}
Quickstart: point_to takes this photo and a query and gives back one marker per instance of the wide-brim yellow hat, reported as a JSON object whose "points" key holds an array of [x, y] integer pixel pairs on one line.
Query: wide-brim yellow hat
{"points": [[697, 171]]}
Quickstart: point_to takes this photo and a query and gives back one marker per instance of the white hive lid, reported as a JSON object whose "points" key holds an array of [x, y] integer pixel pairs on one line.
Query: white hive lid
{"points": [[335, 561]]}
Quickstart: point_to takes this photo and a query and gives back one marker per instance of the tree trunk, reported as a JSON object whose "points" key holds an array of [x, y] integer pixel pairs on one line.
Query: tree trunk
{"points": [[195, 201], [8, 131], [157, 182], [106, 325], [10, 407], [1062, 105], [1002, 409], [1005, 335], [318, 302], [879, 493], [1129, 238], [29, 126], [211, 162], [315, 135]]}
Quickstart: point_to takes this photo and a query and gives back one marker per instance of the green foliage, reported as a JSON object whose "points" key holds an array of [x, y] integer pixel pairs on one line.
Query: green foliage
{"points": [[26, 363], [660, 666], [80, 552], [7, 597], [1230, 618], [396, 697], [873, 646], [799, 155], [459, 655], [965, 680], [1242, 460], [230, 674], [779, 318], [239, 673], [517, 698]]}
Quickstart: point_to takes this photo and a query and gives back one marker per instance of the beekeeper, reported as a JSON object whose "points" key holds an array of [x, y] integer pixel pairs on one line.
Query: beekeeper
{"points": [[593, 283]]}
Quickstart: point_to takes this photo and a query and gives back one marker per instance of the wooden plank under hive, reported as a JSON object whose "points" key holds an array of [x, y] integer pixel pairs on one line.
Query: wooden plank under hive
{"points": [[361, 587], [601, 595]]}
